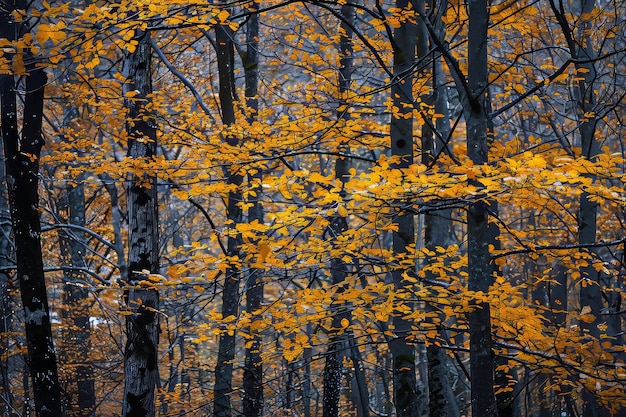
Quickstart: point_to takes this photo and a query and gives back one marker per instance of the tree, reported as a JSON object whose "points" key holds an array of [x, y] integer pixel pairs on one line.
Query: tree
{"points": [[80, 398], [581, 49], [6, 315], [480, 270], [80, 393], [253, 367], [142, 324], [406, 395], [22, 151], [341, 338], [435, 134], [230, 294]]}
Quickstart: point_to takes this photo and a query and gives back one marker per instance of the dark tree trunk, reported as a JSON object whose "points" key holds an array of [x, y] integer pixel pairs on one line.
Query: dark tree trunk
{"points": [[142, 326], [230, 294], [405, 389], [333, 369], [253, 367], [338, 343], [22, 174], [582, 49], [80, 397], [306, 370], [438, 223], [80, 394], [361, 392], [480, 270], [6, 315], [590, 288]]}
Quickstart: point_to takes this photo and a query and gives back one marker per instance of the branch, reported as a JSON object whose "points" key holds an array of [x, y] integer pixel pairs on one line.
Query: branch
{"points": [[208, 218], [9, 268], [182, 78], [77, 268], [467, 99], [601, 244], [80, 229]]}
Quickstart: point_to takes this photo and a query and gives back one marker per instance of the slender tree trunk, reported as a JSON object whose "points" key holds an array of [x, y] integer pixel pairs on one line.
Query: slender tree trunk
{"points": [[80, 392], [116, 223], [6, 315], [360, 388], [437, 224], [338, 342], [142, 326], [590, 288], [582, 49], [253, 368], [405, 388], [230, 294], [22, 175], [306, 383], [289, 389], [480, 270], [173, 378]]}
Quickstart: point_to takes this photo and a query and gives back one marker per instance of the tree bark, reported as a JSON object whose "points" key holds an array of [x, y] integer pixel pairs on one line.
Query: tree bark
{"points": [[6, 315], [590, 287], [253, 367], [338, 342], [405, 388], [22, 175], [81, 397], [230, 294], [437, 224], [480, 235], [142, 326]]}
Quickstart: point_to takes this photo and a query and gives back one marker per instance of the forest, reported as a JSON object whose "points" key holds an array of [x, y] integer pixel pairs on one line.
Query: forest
{"points": [[313, 208]]}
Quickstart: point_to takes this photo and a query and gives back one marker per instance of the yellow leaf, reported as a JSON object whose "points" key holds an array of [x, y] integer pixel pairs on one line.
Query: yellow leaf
{"points": [[264, 250], [223, 15], [587, 318], [46, 32]]}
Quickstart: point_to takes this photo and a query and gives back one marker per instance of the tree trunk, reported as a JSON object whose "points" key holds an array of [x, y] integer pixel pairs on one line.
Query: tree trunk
{"points": [[142, 326], [590, 288], [480, 270], [80, 394], [338, 343], [361, 392], [80, 397], [437, 224], [405, 389], [253, 367], [333, 369], [116, 223], [306, 383], [22, 176], [7, 263], [230, 294]]}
